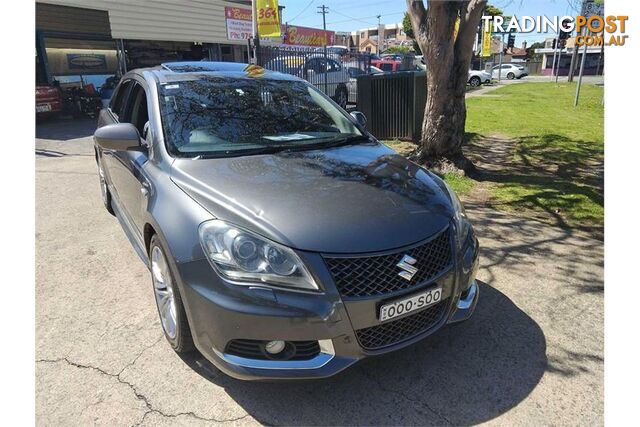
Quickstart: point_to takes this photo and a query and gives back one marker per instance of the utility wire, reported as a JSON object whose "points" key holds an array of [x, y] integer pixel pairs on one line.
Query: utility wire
{"points": [[351, 18], [360, 20], [302, 11]]}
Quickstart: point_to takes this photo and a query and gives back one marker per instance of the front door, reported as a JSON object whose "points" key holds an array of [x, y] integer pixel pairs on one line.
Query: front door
{"points": [[127, 173]]}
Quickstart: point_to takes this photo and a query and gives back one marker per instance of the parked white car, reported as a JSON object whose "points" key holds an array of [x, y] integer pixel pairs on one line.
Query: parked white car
{"points": [[478, 77], [509, 71], [317, 70]]}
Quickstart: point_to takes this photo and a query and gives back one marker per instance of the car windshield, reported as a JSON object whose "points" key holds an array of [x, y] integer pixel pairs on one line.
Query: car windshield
{"points": [[221, 116]]}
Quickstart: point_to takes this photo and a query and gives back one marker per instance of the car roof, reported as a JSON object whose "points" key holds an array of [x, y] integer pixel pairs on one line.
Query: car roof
{"points": [[195, 70]]}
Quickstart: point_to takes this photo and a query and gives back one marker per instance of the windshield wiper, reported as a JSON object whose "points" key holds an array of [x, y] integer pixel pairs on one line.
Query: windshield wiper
{"points": [[272, 149], [341, 141], [245, 152]]}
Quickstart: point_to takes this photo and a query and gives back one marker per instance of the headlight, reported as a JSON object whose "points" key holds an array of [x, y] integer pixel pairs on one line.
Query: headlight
{"points": [[244, 256], [459, 216]]}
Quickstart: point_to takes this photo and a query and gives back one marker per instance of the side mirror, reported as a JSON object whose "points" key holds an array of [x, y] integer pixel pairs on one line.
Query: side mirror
{"points": [[118, 137], [361, 119]]}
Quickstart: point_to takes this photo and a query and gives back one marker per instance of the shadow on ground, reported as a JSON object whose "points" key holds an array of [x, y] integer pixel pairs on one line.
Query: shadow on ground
{"points": [[65, 129], [464, 374], [556, 179]]}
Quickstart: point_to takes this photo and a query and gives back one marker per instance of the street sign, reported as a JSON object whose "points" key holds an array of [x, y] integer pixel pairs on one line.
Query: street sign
{"points": [[592, 8]]}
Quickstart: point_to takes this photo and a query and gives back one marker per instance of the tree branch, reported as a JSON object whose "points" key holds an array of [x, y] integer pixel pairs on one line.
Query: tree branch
{"points": [[418, 16]]}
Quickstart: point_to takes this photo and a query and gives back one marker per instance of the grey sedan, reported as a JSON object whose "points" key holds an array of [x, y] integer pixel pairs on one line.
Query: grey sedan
{"points": [[283, 240]]}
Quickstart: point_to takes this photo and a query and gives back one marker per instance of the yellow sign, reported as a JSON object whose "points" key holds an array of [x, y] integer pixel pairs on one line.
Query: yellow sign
{"points": [[268, 18], [486, 40]]}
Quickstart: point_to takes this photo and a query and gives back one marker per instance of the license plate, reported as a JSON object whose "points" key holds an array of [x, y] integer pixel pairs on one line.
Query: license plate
{"points": [[412, 303], [43, 108]]}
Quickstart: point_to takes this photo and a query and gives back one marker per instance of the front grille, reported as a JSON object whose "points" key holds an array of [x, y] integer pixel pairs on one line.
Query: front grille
{"points": [[254, 349], [378, 275], [396, 331]]}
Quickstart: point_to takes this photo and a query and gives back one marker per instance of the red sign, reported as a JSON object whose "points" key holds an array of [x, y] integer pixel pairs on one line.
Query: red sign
{"points": [[304, 36], [239, 26]]}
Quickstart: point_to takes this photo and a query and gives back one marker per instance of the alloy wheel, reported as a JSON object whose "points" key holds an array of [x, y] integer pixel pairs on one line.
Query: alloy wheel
{"points": [[163, 290]]}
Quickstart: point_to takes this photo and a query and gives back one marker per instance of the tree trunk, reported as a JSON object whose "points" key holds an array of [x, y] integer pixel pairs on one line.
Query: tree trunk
{"points": [[447, 57]]}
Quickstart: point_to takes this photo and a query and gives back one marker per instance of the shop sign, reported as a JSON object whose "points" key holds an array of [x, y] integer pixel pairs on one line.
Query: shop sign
{"points": [[303, 36], [238, 20], [84, 61], [268, 18]]}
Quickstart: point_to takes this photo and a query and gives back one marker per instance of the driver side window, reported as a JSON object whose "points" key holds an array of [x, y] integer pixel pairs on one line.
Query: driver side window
{"points": [[136, 111]]}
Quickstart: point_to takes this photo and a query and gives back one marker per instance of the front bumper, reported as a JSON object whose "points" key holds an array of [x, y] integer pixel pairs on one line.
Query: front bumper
{"points": [[219, 312]]}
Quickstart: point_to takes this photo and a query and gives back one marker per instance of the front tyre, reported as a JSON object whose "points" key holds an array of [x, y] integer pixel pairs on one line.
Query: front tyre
{"points": [[474, 81], [168, 300], [511, 76]]}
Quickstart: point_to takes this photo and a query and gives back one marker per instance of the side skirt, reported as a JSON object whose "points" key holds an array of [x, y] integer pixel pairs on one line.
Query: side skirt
{"points": [[127, 227]]}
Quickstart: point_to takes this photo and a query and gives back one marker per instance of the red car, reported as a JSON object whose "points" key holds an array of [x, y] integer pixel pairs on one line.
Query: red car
{"points": [[387, 65], [48, 101]]}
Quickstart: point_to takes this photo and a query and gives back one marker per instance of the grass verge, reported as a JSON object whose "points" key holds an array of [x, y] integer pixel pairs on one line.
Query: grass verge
{"points": [[537, 154]]}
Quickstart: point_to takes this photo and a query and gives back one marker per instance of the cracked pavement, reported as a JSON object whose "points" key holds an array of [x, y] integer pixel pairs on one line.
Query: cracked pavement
{"points": [[532, 353]]}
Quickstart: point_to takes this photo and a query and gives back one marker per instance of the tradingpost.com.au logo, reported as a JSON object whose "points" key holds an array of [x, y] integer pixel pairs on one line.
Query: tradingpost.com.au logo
{"points": [[594, 30]]}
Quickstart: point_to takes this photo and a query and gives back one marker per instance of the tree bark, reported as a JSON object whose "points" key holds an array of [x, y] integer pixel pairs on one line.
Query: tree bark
{"points": [[447, 57]]}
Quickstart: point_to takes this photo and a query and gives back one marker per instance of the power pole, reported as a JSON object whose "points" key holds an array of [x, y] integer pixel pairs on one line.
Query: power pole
{"points": [[582, 61], [324, 10], [256, 36], [574, 57], [555, 51], [501, 51]]}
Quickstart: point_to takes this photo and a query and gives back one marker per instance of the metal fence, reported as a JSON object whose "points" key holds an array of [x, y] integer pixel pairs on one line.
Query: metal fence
{"points": [[335, 72], [393, 103]]}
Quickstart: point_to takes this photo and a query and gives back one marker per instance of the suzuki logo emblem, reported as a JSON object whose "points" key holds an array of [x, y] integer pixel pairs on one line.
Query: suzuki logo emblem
{"points": [[408, 270]]}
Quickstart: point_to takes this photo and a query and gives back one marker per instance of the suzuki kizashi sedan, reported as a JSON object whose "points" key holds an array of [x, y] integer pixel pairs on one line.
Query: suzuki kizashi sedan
{"points": [[283, 240]]}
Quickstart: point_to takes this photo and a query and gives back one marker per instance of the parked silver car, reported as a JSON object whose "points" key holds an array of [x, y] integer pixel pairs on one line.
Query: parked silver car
{"points": [[322, 72], [283, 240], [355, 69]]}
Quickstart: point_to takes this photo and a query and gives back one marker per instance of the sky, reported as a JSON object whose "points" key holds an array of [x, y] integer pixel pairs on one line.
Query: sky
{"points": [[350, 15]]}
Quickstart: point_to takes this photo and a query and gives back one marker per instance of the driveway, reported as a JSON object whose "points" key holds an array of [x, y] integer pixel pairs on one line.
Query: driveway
{"points": [[531, 355]]}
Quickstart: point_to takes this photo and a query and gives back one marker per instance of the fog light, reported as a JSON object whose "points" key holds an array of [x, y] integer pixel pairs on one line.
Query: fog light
{"points": [[274, 347]]}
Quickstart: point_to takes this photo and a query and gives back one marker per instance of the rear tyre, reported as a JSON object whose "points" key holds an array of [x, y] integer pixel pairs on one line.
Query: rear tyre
{"points": [[474, 81], [168, 299], [104, 189], [342, 96], [511, 76]]}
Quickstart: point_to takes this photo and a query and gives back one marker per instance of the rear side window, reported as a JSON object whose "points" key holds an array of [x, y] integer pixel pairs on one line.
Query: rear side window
{"points": [[117, 102]]}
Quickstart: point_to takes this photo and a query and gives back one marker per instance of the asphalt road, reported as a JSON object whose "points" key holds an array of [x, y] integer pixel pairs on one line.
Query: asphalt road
{"points": [[531, 355]]}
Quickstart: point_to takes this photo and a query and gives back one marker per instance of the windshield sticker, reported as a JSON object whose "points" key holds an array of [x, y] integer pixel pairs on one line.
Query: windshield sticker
{"points": [[172, 86], [290, 137]]}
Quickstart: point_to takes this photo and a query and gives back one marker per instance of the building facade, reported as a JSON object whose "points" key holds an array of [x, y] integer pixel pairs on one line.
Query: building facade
{"points": [[377, 39]]}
